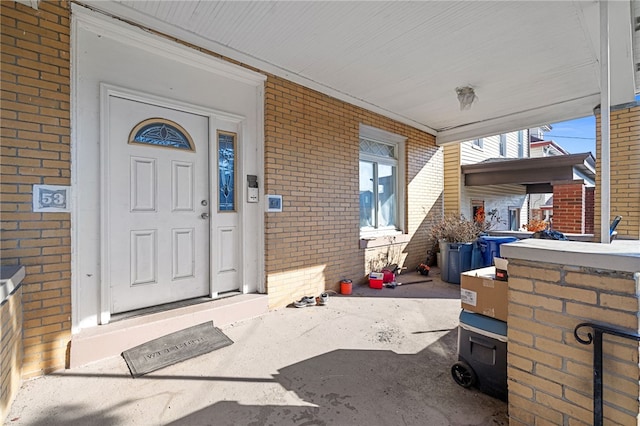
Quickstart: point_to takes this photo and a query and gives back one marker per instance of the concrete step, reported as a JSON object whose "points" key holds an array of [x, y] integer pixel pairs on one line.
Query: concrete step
{"points": [[109, 340]]}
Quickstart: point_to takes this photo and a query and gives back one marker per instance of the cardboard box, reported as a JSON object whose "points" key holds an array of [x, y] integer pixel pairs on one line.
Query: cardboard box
{"points": [[481, 293]]}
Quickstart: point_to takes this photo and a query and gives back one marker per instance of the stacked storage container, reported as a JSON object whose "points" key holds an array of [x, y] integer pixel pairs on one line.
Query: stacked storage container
{"points": [[482, 333]]}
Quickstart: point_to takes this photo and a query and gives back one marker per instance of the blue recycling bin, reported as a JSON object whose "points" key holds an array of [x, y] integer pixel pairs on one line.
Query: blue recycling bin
{"points": [[490, 247], [456, 258]]}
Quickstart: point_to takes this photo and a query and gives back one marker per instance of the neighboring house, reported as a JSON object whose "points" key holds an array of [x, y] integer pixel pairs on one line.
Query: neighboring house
{"points": [[505, 174], [545, 148], [508, 200], [536, 134], [541, 205]]}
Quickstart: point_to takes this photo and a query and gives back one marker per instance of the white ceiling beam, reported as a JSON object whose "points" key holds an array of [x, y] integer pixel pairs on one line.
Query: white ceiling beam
{"points": [[569, 110]]}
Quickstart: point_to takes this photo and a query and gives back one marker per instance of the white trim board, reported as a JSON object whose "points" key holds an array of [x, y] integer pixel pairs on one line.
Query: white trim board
{"points": [[134, 36]]}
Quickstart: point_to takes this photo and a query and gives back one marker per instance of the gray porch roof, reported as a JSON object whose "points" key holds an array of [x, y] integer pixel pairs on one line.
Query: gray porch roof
{"points": [[537, 174], [529, 62]]}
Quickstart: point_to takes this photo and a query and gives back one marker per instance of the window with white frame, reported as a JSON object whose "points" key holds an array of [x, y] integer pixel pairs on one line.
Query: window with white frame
{"points": [[520, 144], [503, 145], [514, 218], [381, 185], [477, 143]]}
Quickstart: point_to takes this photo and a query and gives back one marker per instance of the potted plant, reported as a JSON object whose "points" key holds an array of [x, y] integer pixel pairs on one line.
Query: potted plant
{"points": [[457, 235]]}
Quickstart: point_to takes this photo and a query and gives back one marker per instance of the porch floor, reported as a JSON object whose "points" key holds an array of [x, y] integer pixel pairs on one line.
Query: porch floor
{"points": [[376, 357]]}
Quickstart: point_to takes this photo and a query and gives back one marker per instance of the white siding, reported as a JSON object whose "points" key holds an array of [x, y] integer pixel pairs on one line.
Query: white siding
{"points": [[512, 145], [536, 152], [499, 197], [469, 154]]}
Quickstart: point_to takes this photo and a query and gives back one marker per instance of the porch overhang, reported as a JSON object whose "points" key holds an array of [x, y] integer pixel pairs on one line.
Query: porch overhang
{"points": [[537, 174], [404, 60]]}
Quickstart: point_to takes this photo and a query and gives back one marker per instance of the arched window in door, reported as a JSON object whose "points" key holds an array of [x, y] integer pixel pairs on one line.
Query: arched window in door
{"points": [[161, 132]]}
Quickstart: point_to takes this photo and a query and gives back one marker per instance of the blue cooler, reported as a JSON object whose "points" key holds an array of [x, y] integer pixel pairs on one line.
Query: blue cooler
{"points": [[482, 354], [490, 247]]}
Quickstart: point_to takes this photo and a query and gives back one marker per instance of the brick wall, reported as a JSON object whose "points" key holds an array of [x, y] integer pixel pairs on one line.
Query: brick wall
{"points": [[550, 374], [36, 150], [589, 205], [569, 206], [625, 176], [311, 159], [10, 350]]}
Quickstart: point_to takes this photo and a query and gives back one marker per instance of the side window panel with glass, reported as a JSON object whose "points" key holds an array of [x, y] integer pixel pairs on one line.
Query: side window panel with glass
{"points": [[378, 186]]}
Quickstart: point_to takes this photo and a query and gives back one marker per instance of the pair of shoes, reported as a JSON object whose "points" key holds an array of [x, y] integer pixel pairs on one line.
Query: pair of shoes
{"points": [[304, 302], [323, 299]]}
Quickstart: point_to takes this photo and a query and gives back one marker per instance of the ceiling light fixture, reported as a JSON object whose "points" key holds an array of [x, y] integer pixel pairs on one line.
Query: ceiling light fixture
{"points": [[466, 96]]}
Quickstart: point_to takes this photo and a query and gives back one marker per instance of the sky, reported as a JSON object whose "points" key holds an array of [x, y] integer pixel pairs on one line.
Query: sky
{"points": [[576, 136]]}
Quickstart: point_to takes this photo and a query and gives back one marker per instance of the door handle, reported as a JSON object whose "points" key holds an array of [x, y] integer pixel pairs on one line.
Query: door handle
{"points": [[204, 215]]}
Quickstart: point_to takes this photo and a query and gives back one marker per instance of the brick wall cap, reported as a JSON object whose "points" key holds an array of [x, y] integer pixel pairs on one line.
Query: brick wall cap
{"points": [[619, 255], [11, 277], [567, 182]]}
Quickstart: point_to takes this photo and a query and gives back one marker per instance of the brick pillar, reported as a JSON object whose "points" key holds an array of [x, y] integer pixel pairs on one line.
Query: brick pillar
{"points": [[550, 374], [624, 191], [11, 349], [589, 206], [569, 206]]}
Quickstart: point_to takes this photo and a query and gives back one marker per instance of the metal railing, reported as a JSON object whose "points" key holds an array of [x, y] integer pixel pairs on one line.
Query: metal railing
{"points": [[596, 339]]}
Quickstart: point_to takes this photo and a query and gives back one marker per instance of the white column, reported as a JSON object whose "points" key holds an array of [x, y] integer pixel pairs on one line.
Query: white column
{"points": [[605, 128]]}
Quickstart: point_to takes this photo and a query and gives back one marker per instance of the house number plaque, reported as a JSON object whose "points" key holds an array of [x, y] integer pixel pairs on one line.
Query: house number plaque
{"points": [[51, 198]]}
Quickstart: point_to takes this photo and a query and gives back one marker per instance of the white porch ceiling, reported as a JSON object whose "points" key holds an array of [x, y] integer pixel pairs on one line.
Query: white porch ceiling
{"points": [[530, 62]]}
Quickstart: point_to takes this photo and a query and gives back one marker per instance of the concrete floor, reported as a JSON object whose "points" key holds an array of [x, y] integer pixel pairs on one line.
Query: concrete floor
{"points": [[377, 357]]}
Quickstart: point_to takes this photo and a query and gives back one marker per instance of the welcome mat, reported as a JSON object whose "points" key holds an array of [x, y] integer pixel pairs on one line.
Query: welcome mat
{"points": [[175, 347]]}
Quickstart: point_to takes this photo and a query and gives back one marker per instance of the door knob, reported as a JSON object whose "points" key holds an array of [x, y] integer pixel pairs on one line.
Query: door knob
{"points": [[205, 215]]}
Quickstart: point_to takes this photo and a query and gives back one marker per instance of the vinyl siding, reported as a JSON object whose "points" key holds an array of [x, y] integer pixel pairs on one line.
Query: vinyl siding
{"points": [[469, 154], [452, 178], [499, 197]]}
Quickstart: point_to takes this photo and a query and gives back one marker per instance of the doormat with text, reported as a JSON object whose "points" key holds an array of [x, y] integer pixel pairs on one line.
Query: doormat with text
{"points": [[175, 347]]}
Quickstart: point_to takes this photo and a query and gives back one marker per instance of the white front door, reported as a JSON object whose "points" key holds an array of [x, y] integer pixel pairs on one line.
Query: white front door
{"points": [[159, 205]]}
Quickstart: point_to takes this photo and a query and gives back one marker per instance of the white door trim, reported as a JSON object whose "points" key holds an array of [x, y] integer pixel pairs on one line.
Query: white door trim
{"points": [[87, 308], [107, 91]]}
